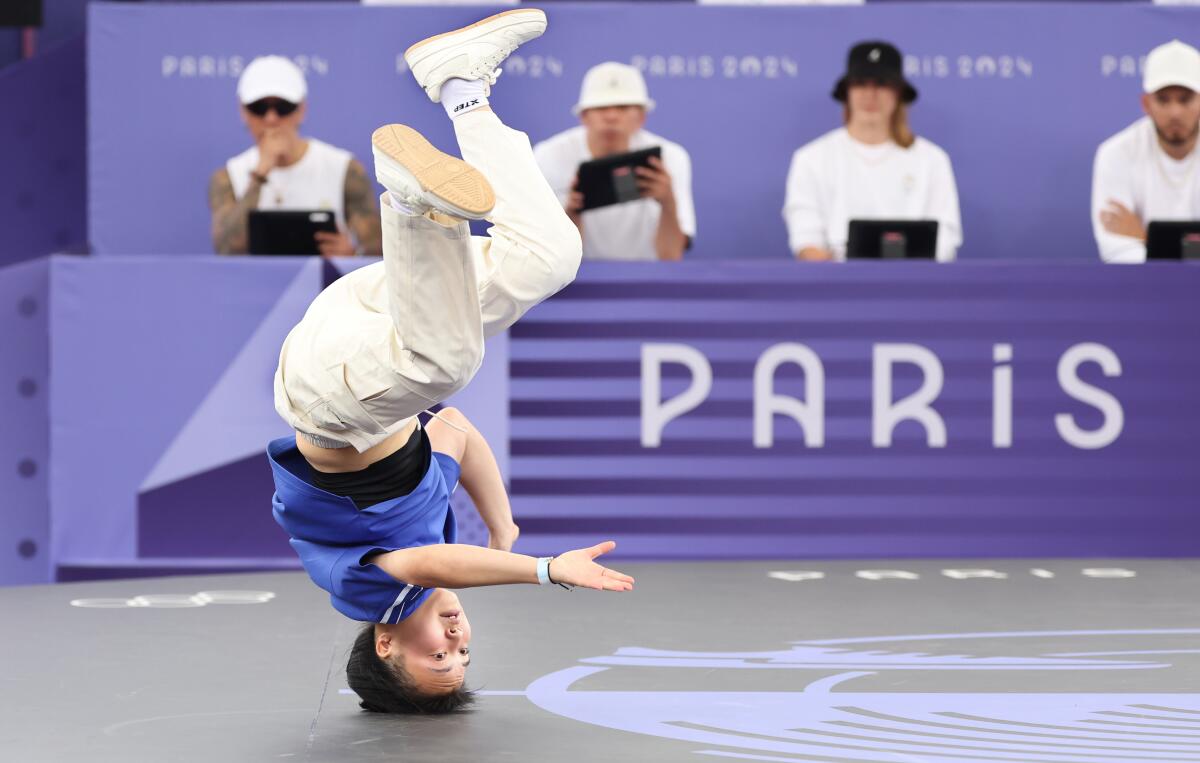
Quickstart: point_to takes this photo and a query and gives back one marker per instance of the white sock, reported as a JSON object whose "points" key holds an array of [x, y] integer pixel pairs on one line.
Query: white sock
{"points": [[401, 206], [462, 96]]}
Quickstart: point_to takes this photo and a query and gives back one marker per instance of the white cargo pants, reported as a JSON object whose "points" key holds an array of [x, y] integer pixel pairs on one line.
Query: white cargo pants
{"points": [[391, 339]]}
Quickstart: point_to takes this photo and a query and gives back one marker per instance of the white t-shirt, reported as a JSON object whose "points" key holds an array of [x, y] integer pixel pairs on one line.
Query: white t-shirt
{"points": [[621, 231], [835, 179], [317, 181], [1132, 169]]}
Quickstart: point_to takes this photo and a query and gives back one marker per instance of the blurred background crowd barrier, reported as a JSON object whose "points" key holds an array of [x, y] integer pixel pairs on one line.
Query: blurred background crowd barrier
{"points": [[1019, 94]]}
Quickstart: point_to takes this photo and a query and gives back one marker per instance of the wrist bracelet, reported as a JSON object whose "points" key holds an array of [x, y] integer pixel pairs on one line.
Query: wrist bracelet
{"points": [[543, 573], [543, 570]]}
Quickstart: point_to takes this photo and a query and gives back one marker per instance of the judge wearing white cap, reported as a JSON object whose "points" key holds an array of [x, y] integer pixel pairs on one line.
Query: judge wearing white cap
{"points": [[1149, 170], [284, 170], [612, 108]]}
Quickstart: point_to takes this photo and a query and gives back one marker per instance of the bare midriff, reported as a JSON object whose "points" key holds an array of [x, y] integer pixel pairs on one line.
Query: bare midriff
{"points": [[338, 460]]}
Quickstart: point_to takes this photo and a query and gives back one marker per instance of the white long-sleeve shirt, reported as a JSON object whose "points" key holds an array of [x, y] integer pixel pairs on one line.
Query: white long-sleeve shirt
{"points": [[836, 179], [1131, 168]]}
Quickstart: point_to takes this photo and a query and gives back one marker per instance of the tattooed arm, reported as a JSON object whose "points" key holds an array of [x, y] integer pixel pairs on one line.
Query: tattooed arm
{"points": [[361, 214], [230, 215]]}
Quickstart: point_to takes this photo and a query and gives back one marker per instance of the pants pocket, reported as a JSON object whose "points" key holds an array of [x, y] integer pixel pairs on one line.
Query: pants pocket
{"points": [[343, 410]]}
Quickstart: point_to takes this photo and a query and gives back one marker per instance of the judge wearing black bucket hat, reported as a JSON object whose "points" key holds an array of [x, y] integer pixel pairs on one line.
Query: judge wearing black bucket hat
{"points": [[873, 167], [878, 62]]}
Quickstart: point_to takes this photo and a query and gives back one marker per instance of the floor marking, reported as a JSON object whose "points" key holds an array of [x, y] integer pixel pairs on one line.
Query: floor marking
{"points": [[825, 684], [114, 728], [486, 693], [312, 728], [1004, 634]]}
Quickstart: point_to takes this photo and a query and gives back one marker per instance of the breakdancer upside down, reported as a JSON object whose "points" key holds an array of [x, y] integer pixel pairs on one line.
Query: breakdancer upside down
{"points": [[363, 489]]}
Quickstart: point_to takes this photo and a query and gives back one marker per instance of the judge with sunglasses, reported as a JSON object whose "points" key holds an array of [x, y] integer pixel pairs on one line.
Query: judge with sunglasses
{"points": [[284, 170]]}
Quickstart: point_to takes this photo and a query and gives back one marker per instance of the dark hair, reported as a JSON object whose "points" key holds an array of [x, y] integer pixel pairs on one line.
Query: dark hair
{"points": [[385, 688]]}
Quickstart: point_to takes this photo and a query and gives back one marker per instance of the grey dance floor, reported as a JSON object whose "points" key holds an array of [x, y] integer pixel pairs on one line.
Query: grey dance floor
{"points": [[1032, 660]]}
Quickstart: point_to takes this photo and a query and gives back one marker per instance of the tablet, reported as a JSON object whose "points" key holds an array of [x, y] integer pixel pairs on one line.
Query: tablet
{"points": [[612, 180], [1174, 240], [892, 240], [288, 231]]}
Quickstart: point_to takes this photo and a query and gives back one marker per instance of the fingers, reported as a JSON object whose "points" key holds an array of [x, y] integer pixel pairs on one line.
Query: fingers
{"points": [[619, 576], [648, 188], [1116, 206], [333, 244], [608, 584], [616, 585], [648, 172], [601, 548]]}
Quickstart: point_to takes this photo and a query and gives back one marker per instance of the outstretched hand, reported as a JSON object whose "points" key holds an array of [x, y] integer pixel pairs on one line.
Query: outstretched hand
{"points": [[578, 568]]}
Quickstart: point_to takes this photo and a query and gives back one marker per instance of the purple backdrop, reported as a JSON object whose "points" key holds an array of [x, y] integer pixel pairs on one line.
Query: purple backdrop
{"points": [[42, 131], [162, 405], [25, 448], [1020, 94]]}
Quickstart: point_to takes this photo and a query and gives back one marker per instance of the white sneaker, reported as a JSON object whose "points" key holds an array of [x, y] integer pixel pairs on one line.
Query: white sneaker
{"points": [[474, 52], [425, 178]]}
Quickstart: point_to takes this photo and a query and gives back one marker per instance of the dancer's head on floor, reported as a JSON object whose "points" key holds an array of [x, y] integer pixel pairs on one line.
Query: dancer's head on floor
{"points": [[417, 665]]}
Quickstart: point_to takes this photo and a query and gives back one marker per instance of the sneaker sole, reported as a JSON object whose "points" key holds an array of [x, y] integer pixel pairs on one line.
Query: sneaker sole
{"points": [[461, 189], [498, 21]]}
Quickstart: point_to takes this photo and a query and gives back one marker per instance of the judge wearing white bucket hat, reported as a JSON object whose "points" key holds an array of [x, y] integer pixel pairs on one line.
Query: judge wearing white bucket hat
{"points": [[612, 108]]}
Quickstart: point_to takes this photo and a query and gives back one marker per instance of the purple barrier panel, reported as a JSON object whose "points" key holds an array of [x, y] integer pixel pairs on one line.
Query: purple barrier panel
{"points": [[189, 347], [186, 393], [25, 446], [207, 495], [163, 371], [1019, 94], [1060, 425], [43, 165]]}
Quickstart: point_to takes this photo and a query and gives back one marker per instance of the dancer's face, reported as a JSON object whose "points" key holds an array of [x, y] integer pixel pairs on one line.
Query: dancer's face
{"points": [[433, 643]]}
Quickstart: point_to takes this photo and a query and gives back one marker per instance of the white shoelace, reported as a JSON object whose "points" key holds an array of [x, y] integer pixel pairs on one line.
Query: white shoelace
{"points": [[447, 422]]}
